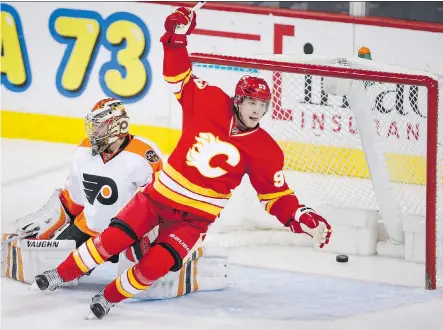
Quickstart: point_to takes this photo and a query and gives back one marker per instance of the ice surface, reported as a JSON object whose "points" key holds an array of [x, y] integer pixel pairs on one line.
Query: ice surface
{"points": [[283, 295], [270, 296]]}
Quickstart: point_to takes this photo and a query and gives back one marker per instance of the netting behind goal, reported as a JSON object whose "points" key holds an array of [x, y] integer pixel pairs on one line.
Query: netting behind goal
{"points": [[355, 134]]}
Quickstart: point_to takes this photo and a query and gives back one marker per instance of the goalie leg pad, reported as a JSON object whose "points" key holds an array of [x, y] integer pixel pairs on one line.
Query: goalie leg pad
{"points": [[24, 259]]}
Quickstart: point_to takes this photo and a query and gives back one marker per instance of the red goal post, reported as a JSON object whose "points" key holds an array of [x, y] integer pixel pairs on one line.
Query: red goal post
{"points": [[425, 93]]}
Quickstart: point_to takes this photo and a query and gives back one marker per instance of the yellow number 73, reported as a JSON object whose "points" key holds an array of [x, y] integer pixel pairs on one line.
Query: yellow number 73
{"points": [[123, 34]]}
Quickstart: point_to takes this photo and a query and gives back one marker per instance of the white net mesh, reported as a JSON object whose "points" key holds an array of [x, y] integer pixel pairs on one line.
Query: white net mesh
{"points": [[321, 136]]}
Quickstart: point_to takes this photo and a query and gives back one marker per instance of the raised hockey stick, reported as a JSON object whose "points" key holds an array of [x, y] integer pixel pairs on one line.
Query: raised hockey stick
{"points": [[182, 29], [198, 5]]}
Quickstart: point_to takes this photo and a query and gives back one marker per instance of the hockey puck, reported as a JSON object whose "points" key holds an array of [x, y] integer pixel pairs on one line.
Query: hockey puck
{"points": [[342, 258]]}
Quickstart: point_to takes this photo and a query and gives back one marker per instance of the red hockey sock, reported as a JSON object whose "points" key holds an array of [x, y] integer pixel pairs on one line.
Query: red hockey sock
{"points": [[155, 264], [68, 269], [94, 252]]}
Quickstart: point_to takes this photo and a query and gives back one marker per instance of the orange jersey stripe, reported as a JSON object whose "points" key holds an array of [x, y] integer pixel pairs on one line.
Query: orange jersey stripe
{"points": [[143, 149], [80, 222], [72, 207]]}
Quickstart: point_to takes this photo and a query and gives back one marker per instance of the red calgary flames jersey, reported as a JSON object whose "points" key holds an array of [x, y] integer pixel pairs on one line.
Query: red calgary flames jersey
{"points": [[212, 155]]}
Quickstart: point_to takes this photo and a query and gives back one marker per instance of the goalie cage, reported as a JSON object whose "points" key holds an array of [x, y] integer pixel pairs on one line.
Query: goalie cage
{"points": [[358, 136]]}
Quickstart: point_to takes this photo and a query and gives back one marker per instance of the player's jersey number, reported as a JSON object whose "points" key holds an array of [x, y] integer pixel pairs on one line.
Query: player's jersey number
{"points": [[279, 179]]}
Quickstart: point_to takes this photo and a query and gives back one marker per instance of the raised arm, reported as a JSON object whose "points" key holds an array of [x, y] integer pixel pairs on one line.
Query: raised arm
{"points": [[177, 69]]}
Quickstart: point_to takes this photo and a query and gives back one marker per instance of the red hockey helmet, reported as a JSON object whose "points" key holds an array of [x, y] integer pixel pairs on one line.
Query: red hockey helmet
{"points": [[253, 87]]}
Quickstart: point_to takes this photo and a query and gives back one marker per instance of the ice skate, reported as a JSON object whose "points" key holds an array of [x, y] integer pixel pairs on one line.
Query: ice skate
{"points": [[100, 306], [49, 280]]}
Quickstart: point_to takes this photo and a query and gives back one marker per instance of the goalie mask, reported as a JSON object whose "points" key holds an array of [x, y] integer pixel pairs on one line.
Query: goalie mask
{"points": [[106, 123], [251, 100]]}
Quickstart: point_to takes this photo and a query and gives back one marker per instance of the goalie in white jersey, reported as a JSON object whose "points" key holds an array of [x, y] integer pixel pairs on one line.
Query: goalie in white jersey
{"points": [[107, 169]]}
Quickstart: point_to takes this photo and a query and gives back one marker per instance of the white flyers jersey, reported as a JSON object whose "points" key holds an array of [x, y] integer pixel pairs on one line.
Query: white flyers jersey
{"points": [[99, 186]]}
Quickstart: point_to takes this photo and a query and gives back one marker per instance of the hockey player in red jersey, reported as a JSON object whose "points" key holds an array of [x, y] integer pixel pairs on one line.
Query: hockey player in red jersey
{"points": [[221, 142]]}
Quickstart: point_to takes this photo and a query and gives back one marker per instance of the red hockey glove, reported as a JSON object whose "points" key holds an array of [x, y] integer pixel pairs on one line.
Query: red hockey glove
{"points": [[178, 25], [304, 220], [182, 21]]}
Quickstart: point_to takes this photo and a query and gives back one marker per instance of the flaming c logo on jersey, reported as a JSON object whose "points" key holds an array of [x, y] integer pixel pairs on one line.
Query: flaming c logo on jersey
{"points": [[101, 188], [208, 146]]}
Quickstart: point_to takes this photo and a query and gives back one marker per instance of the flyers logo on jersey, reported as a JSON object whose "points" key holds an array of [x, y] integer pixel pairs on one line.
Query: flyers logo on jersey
{"points": [[101, 188], [207, 147]]}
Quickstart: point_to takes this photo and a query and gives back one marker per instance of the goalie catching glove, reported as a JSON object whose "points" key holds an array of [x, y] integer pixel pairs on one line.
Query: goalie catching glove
{"points": [[44, 223], [304, 220], [177, 25]]}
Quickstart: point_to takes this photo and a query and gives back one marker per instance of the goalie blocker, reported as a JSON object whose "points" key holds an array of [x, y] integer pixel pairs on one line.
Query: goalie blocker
{"points": [[23, 259]]}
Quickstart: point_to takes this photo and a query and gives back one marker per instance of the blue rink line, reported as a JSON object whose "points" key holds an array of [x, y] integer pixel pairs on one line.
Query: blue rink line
{"points": [[225, 68], [256, 293]]}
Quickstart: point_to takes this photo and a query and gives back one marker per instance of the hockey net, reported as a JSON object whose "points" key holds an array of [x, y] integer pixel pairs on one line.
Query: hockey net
{"points": [[356, 135]]}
